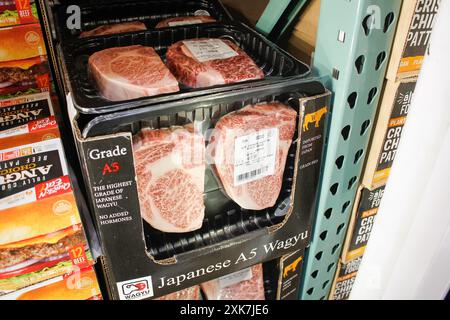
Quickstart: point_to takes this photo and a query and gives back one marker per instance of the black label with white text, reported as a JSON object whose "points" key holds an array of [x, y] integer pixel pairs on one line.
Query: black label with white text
{"points": [[19, 114], [367, 211], [291, 270], [346, 279], [23, 173], [395, 126], [421, 27]]}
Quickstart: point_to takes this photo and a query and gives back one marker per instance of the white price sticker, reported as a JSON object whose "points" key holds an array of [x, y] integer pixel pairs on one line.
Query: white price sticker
{"points": [[201, 13], [210, 49], [184, 22], [236, 277], [255, 156]]}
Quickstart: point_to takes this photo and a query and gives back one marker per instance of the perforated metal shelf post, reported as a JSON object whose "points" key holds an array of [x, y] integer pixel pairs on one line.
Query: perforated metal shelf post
{"points": [[353, 45]]}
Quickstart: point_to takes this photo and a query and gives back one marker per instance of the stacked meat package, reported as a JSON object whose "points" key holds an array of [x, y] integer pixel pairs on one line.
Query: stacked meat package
{"points": [[44, 253], [201, 144]]}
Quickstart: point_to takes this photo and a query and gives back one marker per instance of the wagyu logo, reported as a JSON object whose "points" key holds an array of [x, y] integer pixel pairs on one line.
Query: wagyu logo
{"points": [[32, 38], [136, 289], [57, 186]]}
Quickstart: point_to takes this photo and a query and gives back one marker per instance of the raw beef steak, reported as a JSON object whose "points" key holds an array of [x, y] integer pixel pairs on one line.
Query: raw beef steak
{"points": [[125, 73], [247, 284], [114, 28], [200, 63], [170, 169], [184, 21], [192, 293], [248, 149]]}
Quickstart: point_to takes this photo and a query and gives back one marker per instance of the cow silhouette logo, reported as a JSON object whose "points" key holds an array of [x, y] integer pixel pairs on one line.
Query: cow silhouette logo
{"points": [[315, 118], [292, 267], [136, 289]]}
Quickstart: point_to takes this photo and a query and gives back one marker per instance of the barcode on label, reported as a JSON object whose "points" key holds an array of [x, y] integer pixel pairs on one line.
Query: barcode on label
{"points": [[249, 175], [255, 156]]}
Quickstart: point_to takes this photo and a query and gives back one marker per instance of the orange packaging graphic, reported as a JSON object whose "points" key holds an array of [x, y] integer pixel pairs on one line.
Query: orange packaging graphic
{"points": [[41, 236], [80, 284], [24, 67]]}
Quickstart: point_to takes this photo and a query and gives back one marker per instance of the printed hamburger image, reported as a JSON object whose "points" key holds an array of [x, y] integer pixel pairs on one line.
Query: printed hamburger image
{"points": [[24, 66], [41, 240], [41, 236], [14, 12]]}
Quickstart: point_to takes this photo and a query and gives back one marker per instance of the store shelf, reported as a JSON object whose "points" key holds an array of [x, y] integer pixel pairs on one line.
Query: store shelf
{"points": [[353, 44], [408, 252]]}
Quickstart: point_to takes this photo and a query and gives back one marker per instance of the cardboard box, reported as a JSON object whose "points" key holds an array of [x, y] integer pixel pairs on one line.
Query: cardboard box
{"points": [[412, 38], [19, 111], [302, 43], [128, 258], [15, 12], [80, 284], [345, 278], [386, 137], [38, 214], [250, 10], [23, 50], [362, 220], [391, 118]]}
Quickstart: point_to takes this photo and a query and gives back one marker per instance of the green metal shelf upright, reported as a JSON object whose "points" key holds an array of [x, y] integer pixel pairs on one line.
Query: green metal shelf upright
{"points": [[271, 22], [353, 47]]}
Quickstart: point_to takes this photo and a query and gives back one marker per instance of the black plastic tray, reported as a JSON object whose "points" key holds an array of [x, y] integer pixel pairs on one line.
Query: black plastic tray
{"points": [[224, 219], [98, 13], [276, 64]]}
